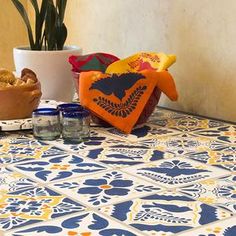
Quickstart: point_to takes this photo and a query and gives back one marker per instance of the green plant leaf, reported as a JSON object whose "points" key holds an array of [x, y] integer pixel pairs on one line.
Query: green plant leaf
{"points": [[49, 27], [50, 22], [25, 17], [61, 7], [61, 35]]}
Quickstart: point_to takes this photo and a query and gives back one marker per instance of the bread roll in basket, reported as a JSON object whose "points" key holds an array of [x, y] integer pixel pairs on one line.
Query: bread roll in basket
{"points": [[18, 96]]}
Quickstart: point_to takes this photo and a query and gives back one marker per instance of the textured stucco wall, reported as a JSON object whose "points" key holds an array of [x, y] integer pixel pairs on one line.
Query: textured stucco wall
{"points": [[201, 33], [12, 32]]}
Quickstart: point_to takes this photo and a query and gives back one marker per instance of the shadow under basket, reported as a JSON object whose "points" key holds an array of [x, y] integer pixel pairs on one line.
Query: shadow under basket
{"points": [[147, 111]]}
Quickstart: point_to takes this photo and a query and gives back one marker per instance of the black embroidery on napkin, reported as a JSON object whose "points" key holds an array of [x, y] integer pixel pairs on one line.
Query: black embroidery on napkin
{"points": [[117, 84], [121, 109]]}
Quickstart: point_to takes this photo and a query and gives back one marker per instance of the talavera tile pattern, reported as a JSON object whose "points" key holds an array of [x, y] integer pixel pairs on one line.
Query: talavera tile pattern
{"points": [[13, 181], [125, 155], [220, 228], [220, 192], [174, 175], [175, 172], [166, 212], [28, 206], [22, 149], [58, 168], [85, 224], [105, 188]]}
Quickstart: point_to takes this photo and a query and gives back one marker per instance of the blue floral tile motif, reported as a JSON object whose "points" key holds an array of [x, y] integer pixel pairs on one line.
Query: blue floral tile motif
{"points": [[83, 224], [175, 172], [25, 149], [142, 132], [58, 168], [24, 207], [225, 134], [105, 188], [13, 181], [165, 213], [125, 155], [221, 228], [219, 192]]}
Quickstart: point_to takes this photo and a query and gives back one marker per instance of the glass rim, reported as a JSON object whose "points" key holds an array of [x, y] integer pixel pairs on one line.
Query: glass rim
{"points": [[68, 106], [75, 113], [46, 111]]}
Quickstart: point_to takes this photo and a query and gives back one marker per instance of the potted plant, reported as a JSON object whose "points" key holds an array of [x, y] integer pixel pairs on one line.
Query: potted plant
{"points": [[47, 56]]}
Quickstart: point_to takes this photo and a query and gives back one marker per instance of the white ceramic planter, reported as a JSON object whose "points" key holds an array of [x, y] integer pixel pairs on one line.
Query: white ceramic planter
{"points": [[52, 68]]}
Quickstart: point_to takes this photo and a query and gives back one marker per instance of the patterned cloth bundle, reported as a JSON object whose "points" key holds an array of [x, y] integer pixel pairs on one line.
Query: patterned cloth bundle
{"points": [[118, 91]]}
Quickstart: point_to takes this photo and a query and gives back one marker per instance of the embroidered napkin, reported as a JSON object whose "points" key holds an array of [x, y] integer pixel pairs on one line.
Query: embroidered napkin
{"points": [[120, 95], [142, 61], [119, 99], [94, 61]]}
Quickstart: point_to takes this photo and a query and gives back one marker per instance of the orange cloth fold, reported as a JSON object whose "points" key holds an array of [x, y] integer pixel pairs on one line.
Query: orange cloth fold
{"points": [[119, 99]]}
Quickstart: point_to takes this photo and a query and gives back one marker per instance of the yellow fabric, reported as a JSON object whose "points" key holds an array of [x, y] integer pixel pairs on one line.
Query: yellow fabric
{"points": [[142, 61]]}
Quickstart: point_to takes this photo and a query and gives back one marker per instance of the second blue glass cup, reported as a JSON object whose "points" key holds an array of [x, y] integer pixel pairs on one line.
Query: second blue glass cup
{"points": [[75, 125]]}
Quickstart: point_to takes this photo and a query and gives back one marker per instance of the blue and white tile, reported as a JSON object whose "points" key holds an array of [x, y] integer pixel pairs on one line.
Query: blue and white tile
{"points": [[222, 155], [182, 144], [187, 123], [32, 205], [125, 155], [164, 213], [105, 188], [83, 224], [58, 168], [220, 228], [219, 192], [142, 132], [226, 134], [13, 181], [175, 172], [23, 149], [96, 140]]}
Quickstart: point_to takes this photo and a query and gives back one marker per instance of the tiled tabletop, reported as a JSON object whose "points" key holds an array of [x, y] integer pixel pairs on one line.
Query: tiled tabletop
{"points": [[174, 175]]}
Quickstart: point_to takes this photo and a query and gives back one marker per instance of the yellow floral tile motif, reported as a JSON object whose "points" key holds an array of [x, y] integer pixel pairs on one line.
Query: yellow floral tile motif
{"points": [[21, 149], [24, 207]]}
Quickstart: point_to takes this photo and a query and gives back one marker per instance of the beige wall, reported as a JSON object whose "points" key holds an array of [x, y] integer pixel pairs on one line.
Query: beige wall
{"points": [[12, 32], [201, 33]]}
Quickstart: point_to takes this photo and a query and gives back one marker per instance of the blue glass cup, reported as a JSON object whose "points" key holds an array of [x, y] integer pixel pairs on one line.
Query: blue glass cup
{"points": [[68, 107], [46, 123], [75, 125]]}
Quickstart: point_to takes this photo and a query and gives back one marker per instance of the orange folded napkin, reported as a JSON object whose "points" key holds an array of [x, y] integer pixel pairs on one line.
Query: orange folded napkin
{"points": [[119, 99]]}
